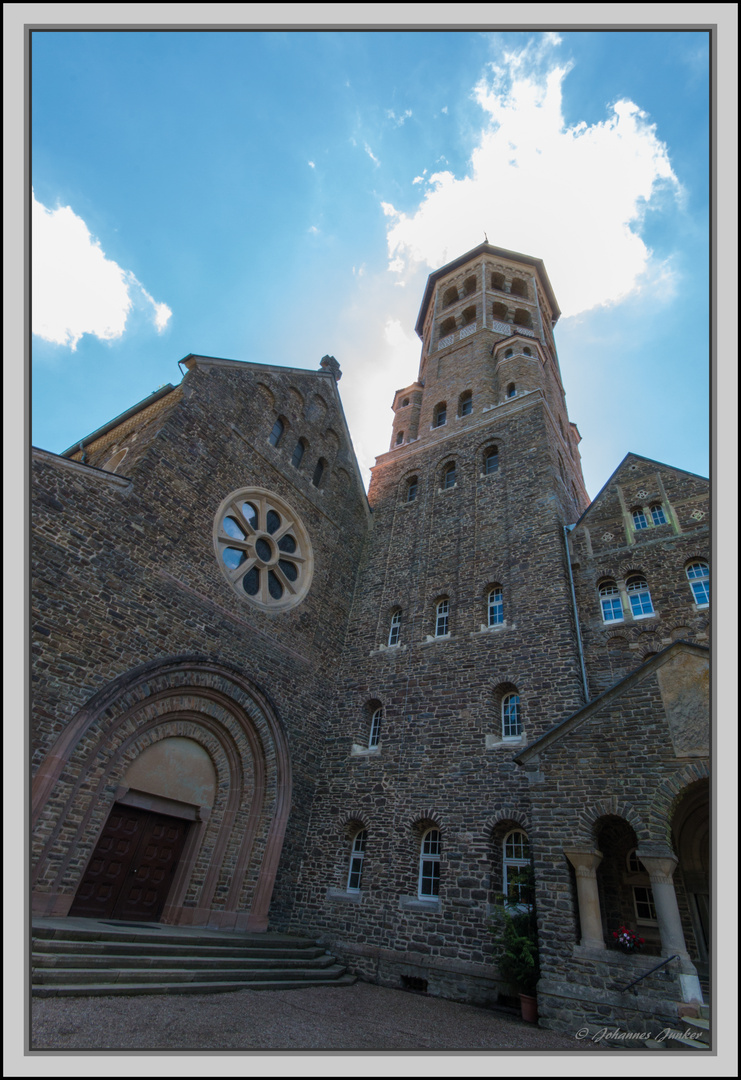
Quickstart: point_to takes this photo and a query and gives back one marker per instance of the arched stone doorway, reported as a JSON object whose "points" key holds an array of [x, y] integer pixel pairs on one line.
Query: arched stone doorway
{"points": [[691, 841], [184, 754]]}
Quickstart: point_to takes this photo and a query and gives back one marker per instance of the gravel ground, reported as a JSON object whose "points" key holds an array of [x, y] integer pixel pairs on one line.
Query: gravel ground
{"points": [[357, 1017]]}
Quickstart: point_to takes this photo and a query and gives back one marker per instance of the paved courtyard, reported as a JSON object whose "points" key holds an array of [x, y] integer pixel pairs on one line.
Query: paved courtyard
{"points": [[357, 1017]]}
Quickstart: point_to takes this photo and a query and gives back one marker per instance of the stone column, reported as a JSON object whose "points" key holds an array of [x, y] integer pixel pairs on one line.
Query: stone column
{"points": [[660, 870], [585, 861]]}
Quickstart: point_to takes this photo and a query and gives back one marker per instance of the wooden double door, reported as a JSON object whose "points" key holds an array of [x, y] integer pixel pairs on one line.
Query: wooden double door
{"points": [[132, 867]]}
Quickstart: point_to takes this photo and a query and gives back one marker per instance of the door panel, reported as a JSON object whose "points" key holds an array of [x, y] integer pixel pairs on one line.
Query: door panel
{"points": [[131, 869]]}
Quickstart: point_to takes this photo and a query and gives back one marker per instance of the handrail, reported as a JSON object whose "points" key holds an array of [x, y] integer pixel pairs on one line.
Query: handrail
{"points": [[646, 974]]}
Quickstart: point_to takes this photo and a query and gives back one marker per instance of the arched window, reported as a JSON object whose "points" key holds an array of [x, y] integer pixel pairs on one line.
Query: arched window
{"points": [[511, 723], [465, 404], [298, 453], [497, 281], [639, 519], [468, 316], [318, 472], [449, 475], [609, 597], [522, 318], [491, 460], [499, 311], [399, 438], [450, 296], [657, 514], [515, 862], [277, 433], [639, 596], [375, 728], [395, 627], [442, 617], [447, 327], [429, 865], [405, 402], [511, 390], [412, 488], [509, 352], [527, 351], [356, 861], [518, 288], [495, 606], [440, 415], [469, 285], [698, 575]]}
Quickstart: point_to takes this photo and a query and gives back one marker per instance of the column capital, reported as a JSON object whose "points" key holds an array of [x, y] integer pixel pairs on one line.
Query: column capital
{"points": [[584, 860], [660, 868]]}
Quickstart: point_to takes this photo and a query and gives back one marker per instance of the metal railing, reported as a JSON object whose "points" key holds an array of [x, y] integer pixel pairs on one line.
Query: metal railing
{"points": [[646, 974]]}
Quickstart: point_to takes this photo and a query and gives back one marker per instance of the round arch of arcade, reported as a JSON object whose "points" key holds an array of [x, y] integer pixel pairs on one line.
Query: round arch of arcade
{"points": [[108, 764]]}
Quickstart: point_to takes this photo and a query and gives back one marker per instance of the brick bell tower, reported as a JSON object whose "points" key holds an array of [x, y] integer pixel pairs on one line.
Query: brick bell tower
{"points": [[461, 645]]}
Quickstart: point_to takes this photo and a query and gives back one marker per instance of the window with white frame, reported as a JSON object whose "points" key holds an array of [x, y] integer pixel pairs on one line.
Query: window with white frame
{"points": [[609, 598], [491, 460], [643, 900], [449, 475], [429, 865], [639, 596], [698, 575], [395, 627], [515, 861], [442, 617], [511, 722], [657, 514], [495, 606], [639, 520], [465, 407], [356, 861], [375, 728], [441, 414]]}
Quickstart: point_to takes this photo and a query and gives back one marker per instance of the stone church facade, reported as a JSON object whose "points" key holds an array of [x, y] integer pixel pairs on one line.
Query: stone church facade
{"points": [[359, 717]]}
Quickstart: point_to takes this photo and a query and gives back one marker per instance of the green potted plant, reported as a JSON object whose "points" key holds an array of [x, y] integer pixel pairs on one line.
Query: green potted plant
{"points": [[515, 933]]}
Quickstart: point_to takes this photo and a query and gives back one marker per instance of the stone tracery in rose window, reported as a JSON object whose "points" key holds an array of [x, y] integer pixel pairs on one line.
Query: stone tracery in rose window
{"points": [[263, 549]]}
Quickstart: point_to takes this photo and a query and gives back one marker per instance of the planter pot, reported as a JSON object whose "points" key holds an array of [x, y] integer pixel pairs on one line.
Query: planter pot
{"points": [[529, 1008]]}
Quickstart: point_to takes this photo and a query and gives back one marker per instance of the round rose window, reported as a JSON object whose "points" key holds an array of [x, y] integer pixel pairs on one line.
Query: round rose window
{"points": [[263, 549]]}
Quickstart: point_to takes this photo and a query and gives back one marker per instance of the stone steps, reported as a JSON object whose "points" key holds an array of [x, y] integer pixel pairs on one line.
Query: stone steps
{"points": [[103, 989], [79, 957]]}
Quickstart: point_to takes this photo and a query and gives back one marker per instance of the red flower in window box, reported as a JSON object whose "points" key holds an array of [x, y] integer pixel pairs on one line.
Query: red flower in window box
{"points": [[626, 940]]}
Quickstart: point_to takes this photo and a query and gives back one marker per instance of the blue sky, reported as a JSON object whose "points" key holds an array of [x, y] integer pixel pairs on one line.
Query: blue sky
{"points": [[275, 196]]}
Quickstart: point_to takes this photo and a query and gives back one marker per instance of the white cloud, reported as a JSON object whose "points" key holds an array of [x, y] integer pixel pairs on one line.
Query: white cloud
{"points": [[573, 196], [398, 120], [312, 165], [313, 229], [371, 155], [76, 290]]}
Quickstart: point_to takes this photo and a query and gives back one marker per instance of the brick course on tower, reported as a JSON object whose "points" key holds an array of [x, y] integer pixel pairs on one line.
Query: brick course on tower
{"points": [[370, 706]]}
